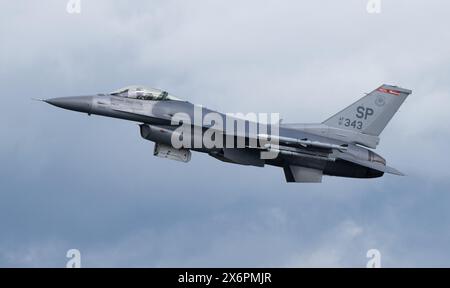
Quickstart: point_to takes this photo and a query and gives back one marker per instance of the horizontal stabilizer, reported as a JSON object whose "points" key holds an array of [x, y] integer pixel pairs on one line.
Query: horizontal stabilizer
{"points": [[394, 171]]}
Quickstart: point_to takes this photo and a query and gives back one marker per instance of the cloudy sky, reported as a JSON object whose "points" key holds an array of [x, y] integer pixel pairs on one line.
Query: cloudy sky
{"points": [[91, 183]]}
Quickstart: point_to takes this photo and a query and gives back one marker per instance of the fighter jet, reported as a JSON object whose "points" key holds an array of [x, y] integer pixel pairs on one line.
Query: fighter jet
{"points": [[339, 146]]}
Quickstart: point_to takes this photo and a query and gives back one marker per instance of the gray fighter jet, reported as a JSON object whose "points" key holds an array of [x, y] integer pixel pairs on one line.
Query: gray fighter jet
{"points": [[339, 146]]}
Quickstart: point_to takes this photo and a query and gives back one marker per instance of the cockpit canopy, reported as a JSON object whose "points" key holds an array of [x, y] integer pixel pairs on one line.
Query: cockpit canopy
{"points": [[143, 93]]}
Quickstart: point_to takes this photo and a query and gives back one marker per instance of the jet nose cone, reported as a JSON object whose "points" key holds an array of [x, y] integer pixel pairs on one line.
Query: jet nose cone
{"points": [[77, 103]]}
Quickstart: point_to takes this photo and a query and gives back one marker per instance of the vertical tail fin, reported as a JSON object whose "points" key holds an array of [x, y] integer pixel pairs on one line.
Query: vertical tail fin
{"points": [[372, 113]]}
